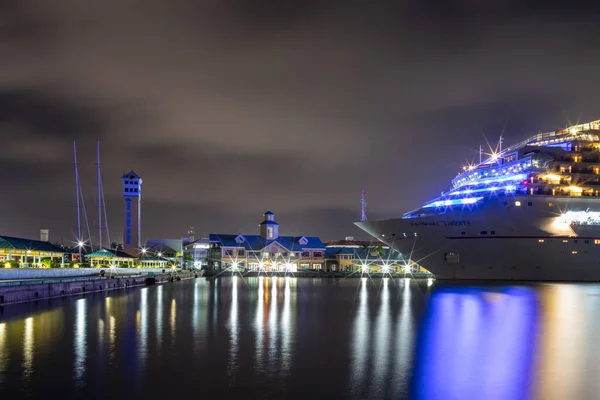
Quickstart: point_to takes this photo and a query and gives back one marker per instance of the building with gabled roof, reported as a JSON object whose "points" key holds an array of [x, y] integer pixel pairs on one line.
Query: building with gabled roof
{"points": [[28, 252], [267, 251], [110, 257]]}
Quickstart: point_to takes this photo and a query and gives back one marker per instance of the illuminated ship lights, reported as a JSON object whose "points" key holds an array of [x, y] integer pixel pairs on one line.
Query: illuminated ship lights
{"points": [[509, 188], [581, 218], [453, 202]]}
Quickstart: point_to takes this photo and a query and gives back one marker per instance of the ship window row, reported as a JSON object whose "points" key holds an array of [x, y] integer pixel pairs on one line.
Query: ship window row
{"points": [[576, 241]]}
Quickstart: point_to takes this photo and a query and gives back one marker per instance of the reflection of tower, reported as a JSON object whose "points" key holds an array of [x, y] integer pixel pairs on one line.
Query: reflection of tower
{"points": [[132, 191]]}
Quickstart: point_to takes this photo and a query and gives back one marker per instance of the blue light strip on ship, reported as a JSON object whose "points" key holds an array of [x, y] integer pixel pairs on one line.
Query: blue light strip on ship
{"points": [[518, 177], [453, 202], [510, 188]]}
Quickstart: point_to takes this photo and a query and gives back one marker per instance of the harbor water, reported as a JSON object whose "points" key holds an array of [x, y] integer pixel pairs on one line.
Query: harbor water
{"points": [[303, 338]]}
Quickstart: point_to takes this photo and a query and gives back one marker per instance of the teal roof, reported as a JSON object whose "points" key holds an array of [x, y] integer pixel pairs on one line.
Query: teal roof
{"points": [[8, 242], [106, 253]]}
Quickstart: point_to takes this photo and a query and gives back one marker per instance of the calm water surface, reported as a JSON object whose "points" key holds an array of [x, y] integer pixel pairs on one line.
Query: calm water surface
{"points": [[306, 339]]}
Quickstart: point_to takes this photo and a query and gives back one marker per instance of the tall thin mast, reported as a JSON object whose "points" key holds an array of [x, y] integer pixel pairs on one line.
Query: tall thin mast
{"points": [[99, 198], [363, 204], [79, 241]]}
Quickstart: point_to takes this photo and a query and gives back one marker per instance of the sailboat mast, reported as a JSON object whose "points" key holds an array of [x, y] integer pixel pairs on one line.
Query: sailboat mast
{"points": [[77, 194], [99, 198]]}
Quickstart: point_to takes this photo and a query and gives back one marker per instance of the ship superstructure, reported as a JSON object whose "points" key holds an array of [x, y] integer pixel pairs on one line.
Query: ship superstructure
{"points": [[530, 211]]}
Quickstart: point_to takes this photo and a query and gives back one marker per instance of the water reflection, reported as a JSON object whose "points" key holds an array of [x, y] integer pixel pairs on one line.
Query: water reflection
{"points": [[360, 344], [477, 344], [258, 322], [306, 338], [287, 326], [567, 311], [3, 352], [28, 348], [159, 316], [80, 340], [200, 314], [142, 326], [233, 328], [382, 343], [405, 337], [273, 333]]}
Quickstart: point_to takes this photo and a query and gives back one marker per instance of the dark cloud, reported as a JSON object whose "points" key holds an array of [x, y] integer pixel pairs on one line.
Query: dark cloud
{"points": [[230, 107]]}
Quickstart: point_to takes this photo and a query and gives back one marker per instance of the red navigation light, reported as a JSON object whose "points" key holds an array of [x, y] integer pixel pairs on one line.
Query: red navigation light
{"points": [[525, 182]]}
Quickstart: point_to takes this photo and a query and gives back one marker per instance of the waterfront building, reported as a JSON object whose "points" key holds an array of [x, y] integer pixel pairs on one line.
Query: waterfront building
{"points": [[104, 258], [22, 253], [132, 192], [267, 251], [151, 261], [196, 253], [366, 256]]}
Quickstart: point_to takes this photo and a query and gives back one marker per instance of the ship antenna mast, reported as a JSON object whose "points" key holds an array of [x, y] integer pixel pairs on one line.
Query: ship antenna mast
{"points": [[500, 144], [480, 153], [363, 204]]}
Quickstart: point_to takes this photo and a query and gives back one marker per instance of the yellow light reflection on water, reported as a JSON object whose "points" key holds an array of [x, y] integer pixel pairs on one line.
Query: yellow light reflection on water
{"points": [[173, 319], [563, 357], [28, 347], [259, 324], [273, 323]]}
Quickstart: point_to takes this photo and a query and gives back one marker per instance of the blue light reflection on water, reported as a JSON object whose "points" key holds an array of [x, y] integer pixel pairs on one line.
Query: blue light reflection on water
{"points": [[477, 344], [324, 338]]}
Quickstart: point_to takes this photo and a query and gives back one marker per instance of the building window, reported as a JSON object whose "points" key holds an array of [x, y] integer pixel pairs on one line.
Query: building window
{"points": [[317, 266], [492, 232], [304, 266], [596, 241], [305, 254], [228, 252], [317, 254], [269, 233], [518, 203]]}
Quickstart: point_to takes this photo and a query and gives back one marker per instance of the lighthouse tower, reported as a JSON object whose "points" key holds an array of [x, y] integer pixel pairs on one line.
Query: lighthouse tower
{"points": [[132, 191]]}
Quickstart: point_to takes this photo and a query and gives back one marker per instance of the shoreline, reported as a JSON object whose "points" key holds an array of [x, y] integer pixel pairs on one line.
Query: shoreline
{"points": [[31, 290]]}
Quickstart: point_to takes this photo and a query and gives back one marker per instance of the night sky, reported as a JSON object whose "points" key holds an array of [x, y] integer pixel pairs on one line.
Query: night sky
{"points": [[229, 108]]}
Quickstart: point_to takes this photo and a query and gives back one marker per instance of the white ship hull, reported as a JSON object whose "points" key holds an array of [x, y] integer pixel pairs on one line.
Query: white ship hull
{"points": [[500, 241]]}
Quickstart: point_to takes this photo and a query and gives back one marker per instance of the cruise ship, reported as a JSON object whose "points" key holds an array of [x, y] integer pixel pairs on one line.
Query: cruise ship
{"points": [[527, 212]]}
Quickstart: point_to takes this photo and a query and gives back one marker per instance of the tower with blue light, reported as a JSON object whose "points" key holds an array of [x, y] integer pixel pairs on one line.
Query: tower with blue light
{"points": [[132, 191]]}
